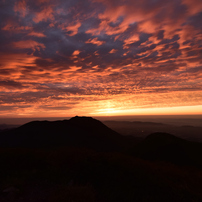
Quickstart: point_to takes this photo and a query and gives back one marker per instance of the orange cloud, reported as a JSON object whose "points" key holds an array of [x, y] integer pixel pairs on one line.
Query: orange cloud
{"points": [[37, 34], [76, 52], [29, 44], [44, 15], [73, 29], [145, 54], [21, 8], [95, 41], [10, 26], [193, 6], [113, 51]]}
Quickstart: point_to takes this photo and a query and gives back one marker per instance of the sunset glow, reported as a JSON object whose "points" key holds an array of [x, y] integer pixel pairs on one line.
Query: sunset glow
{"points": [[100, 57]]}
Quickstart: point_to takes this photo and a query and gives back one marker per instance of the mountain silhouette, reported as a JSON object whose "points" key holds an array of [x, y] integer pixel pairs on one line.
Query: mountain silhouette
{"points": [[81, 159], [77, 132], [167, 147], [87, 132]]}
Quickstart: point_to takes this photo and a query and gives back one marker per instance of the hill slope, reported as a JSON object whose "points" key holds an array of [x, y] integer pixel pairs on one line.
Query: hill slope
{"points": [[67, 161], [90, 133], [78, 131], [167, 147]]}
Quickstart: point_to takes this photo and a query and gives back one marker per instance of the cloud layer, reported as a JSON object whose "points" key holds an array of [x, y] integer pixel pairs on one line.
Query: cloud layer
{"points": [[68, 56]]}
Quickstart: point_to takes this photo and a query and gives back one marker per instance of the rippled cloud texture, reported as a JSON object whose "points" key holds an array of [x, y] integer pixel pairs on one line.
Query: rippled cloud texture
{"points": [[81, 57]]}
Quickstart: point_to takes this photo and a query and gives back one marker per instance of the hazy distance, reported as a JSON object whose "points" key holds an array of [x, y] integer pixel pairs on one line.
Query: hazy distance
{"points": [[178, 120]]}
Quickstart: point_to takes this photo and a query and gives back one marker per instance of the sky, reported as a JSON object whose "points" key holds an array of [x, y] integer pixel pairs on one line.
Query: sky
{"points": [[100, 57]]}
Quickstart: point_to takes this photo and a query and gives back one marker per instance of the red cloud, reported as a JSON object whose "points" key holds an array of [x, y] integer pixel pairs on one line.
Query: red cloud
{"points": [[54, 51], [21, 8], [29, 44], [71, 28], [44, 15], [37, 34], [95, 41]]}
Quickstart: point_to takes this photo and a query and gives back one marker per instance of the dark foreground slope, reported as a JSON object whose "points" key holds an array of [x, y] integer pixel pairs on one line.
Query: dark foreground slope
{"points": [[82, 160]]}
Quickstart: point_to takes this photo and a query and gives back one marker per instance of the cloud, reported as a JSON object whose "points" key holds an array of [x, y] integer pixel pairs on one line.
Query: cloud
{"points": [[53, 50], [21, 8], [95, 41], [71, 30], [10, 84], [44, 15], [36, 34], [29, 44]]}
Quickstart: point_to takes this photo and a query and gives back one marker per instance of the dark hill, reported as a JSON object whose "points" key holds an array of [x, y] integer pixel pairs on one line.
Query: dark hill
{"points": [[77, 132], [67, 161], [86, 132], [167, 147]]}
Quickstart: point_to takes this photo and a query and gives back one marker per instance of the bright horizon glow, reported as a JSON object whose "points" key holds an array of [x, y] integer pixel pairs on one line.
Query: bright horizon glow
{"points": [[181, 110], [178, 110]]}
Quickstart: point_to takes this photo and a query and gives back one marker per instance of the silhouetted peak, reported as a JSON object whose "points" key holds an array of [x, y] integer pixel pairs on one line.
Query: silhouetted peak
{"points": [[85, 121], [82, 118], [163, 138], [77, 131]]}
